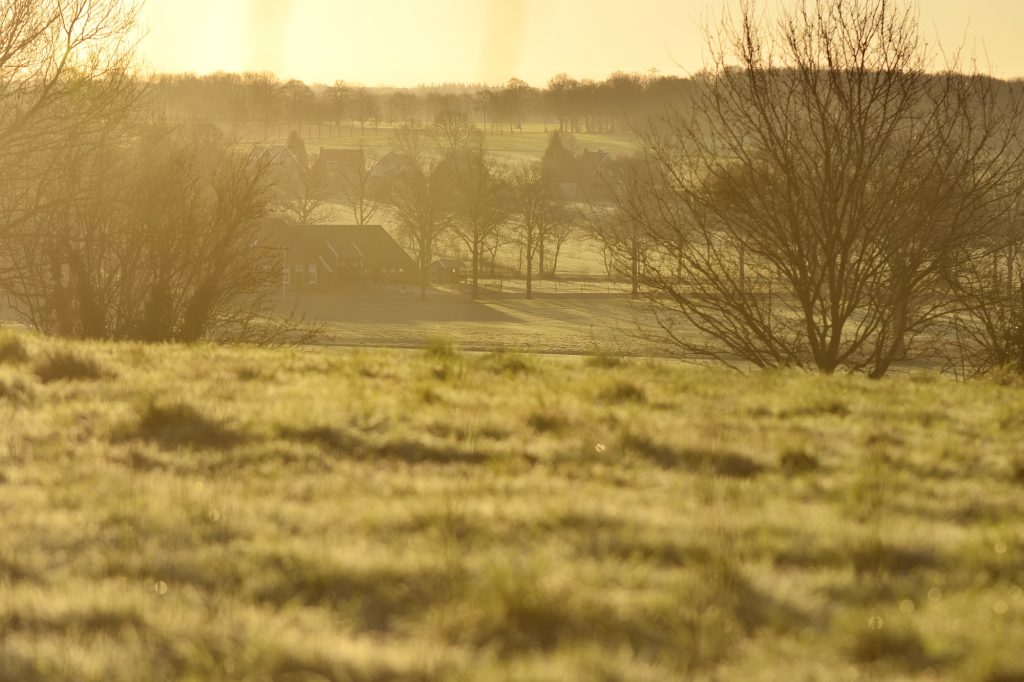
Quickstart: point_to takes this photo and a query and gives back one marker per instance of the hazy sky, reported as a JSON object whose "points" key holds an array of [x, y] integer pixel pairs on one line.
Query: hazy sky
{"points": [[408, 42]]}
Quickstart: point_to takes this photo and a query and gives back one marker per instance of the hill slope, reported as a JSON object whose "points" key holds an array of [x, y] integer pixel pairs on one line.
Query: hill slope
{"points": [[227, 513]]}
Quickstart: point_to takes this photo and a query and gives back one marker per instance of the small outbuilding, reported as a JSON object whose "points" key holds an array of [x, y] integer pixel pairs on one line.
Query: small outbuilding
{"points": [[447, 271]]}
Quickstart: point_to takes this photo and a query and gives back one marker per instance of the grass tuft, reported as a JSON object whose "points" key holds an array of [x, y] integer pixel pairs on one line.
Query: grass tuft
{"points": [[1005, 672], [547, 421], [12, 349], [623, 392], [506, 363], [440, 348], [794, 462], [605, 361], [898, 644], [1017, 470], [16, 388]]}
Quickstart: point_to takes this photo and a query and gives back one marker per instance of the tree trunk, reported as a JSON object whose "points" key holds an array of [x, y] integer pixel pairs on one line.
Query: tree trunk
{"points": [[634, 274], [529, 265], [554, 259], [425, 254], [476, 272]]}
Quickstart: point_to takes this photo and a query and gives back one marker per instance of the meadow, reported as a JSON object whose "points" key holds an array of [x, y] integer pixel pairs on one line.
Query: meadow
{"points": [[522, 145], [234, 513], [566, 322]]}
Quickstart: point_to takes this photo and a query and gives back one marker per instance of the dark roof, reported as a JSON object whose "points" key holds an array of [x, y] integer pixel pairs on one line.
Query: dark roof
{"points": [[371, 244]]}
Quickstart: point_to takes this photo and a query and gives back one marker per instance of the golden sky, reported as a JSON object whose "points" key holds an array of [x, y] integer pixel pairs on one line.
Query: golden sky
{"points": [[409, 42]]}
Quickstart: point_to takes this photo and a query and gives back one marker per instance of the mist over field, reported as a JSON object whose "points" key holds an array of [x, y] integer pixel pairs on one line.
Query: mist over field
{"points": [[486, 341]]}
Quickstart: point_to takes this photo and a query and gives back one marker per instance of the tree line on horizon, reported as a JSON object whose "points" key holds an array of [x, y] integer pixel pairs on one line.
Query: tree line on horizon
{"points": [[617, 104]]}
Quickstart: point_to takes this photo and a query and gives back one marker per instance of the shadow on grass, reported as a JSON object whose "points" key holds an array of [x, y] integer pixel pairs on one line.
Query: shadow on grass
{"points": [[723, 463], [344, 444], [69, 365], [180, 424], [375, 599]]}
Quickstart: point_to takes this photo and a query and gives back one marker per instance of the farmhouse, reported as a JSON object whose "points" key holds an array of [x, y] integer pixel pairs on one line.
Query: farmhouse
{"points": [[333, 257]]}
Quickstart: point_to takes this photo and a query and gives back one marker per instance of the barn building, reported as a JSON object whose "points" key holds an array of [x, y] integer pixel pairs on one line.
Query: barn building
{"points": [[335, 257]]}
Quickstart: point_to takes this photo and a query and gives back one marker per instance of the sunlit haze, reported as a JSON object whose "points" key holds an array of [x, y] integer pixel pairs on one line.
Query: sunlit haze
{"points": [[432, 41]]}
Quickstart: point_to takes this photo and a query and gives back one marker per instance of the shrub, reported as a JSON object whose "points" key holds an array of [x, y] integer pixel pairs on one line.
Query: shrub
{"points": [[69, 365]]}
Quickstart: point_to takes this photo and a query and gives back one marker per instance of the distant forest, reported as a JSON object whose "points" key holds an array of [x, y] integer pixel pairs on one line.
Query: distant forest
{"points": [[613, 105]]}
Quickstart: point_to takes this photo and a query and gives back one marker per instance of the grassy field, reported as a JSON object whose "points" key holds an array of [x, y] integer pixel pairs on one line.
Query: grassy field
{"points": [[218, 513], [527, 144], [562, 323]]}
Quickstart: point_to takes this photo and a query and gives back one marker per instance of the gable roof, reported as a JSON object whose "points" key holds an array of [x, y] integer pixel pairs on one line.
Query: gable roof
{"points": [[369, 244], [372, 243]]}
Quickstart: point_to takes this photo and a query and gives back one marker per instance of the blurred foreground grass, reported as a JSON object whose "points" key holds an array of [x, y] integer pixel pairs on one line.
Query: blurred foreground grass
{"points": [[214, 513]]}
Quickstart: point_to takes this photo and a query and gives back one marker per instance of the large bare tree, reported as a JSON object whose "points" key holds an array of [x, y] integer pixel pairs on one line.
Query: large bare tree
{"points": [[155, 237], [65, 71], [809, 207]]}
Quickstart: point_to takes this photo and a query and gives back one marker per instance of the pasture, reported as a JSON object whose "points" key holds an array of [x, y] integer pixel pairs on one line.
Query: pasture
{"points": [[232, 513], [527, 144], [566, 323]]}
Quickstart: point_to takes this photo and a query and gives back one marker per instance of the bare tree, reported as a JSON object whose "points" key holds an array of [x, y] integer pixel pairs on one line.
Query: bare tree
{"points": [[454, 131], [557, 234], [360, 189], [988, 325], [534, 200], [418, 200], [810, 205], [503, 236], [480, 203], [338, 98], [365, 107], [154, 237], [65, 71], [623, 229], [303, 200]]}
